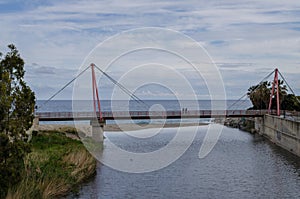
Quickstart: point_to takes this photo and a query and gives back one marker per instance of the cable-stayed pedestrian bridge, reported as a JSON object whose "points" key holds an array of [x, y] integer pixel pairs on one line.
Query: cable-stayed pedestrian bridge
{"points": [[97, 117], [139, 115]]}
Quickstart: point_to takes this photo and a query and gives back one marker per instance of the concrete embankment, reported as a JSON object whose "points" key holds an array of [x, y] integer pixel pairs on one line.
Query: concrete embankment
{"points": [[283, 132]]}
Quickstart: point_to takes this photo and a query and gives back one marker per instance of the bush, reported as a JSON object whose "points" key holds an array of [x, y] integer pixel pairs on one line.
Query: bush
{"points": [[54, 167], [11, 162]]}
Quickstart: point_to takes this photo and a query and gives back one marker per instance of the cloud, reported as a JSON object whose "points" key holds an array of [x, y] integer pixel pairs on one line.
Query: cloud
{"points": [[245, 39], [45, 80], [35, 70]]}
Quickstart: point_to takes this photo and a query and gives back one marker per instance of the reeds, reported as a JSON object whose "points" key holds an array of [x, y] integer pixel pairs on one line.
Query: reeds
{"points": [[55, 166]]}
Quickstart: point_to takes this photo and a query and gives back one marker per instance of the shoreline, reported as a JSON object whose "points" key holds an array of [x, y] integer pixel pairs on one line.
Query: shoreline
{"points": [[82, 168], [86, 129]]}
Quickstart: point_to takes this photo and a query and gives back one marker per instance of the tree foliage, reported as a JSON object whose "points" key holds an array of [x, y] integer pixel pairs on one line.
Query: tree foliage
{"points": [[11, 162], [291, 103], [260, 97], [17, 103], [17, 100]]}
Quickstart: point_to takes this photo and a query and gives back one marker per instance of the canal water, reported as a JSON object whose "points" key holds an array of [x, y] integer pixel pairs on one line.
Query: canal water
{"points": [[239, 166]]}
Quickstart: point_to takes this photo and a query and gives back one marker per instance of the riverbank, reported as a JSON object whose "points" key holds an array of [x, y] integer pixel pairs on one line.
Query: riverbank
{"points": [[237, 167], [86, 129], [244, 124], [59, 162], [283, 132], [56, 166]]}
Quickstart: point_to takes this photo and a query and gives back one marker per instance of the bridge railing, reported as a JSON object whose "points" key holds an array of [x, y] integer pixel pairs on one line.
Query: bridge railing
{"points": [[125, 115], [163, 114]]}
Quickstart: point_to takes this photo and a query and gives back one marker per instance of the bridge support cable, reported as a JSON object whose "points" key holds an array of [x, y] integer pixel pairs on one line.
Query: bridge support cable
{"points": [[95, 89], [246, 94], [288, 86], [66, 85], [238, 102], [124, 89]]}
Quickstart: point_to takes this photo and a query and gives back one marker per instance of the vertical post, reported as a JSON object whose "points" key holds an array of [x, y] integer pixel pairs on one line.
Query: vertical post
{"points": [[97, 130], [96, 94], [98, 124], [277, 93], [271, 97], [275, 83]]}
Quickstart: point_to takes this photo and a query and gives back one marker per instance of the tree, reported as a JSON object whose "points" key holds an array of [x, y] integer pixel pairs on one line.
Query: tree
{"points": [[17, 103], [291, 103], [260, 97]]}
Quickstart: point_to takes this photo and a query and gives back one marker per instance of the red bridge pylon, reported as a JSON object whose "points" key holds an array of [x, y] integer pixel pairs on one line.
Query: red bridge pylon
{"points": [[96, 99], [275, 85]]}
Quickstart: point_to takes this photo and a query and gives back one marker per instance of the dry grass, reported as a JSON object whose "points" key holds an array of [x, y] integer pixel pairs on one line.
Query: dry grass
{"points": [[83, 163], [55, 188], [46, 189], [55, 167]]}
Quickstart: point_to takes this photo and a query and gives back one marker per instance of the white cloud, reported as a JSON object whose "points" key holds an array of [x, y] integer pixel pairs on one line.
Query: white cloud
{"points": [[245, 36]]}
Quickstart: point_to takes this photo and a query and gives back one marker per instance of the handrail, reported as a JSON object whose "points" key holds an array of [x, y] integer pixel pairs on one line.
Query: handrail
{"points": [[164, 114]]}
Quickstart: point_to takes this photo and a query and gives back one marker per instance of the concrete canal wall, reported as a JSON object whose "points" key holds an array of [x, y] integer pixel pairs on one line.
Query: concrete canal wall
{"points": [[283, 132]]}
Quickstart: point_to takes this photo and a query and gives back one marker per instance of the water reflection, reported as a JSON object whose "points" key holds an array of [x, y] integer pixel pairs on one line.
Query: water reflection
{"points": [[240, 166]]}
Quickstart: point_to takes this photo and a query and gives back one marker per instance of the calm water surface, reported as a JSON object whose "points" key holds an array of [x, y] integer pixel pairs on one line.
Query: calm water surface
{"points": [[239, 166]]}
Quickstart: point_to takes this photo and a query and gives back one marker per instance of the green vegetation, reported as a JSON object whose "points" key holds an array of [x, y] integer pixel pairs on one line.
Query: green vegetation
{"points": [[11, 162], [17, 103], [56, 165], [48, 166], [260, 96]]}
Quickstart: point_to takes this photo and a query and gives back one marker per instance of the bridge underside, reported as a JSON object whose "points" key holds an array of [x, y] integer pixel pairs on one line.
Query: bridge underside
{"points": [[144, 118], [144, 115]]}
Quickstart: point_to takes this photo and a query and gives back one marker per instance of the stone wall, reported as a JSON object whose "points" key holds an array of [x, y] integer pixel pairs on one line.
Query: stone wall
{"points": [[283, 132]]}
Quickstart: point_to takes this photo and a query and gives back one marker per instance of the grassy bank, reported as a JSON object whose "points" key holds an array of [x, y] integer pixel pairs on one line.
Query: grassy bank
{"points": [[55, 167]]}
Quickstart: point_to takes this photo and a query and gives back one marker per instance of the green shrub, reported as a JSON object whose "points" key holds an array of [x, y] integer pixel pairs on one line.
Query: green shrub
{"points": [[54, 167], [11, 162]]}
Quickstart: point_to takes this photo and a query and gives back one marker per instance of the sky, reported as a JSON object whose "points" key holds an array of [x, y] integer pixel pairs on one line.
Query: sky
{"points": [[245, 39]]}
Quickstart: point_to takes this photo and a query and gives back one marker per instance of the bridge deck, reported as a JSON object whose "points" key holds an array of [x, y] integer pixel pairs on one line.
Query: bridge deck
{"points": [[140, 115]]}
